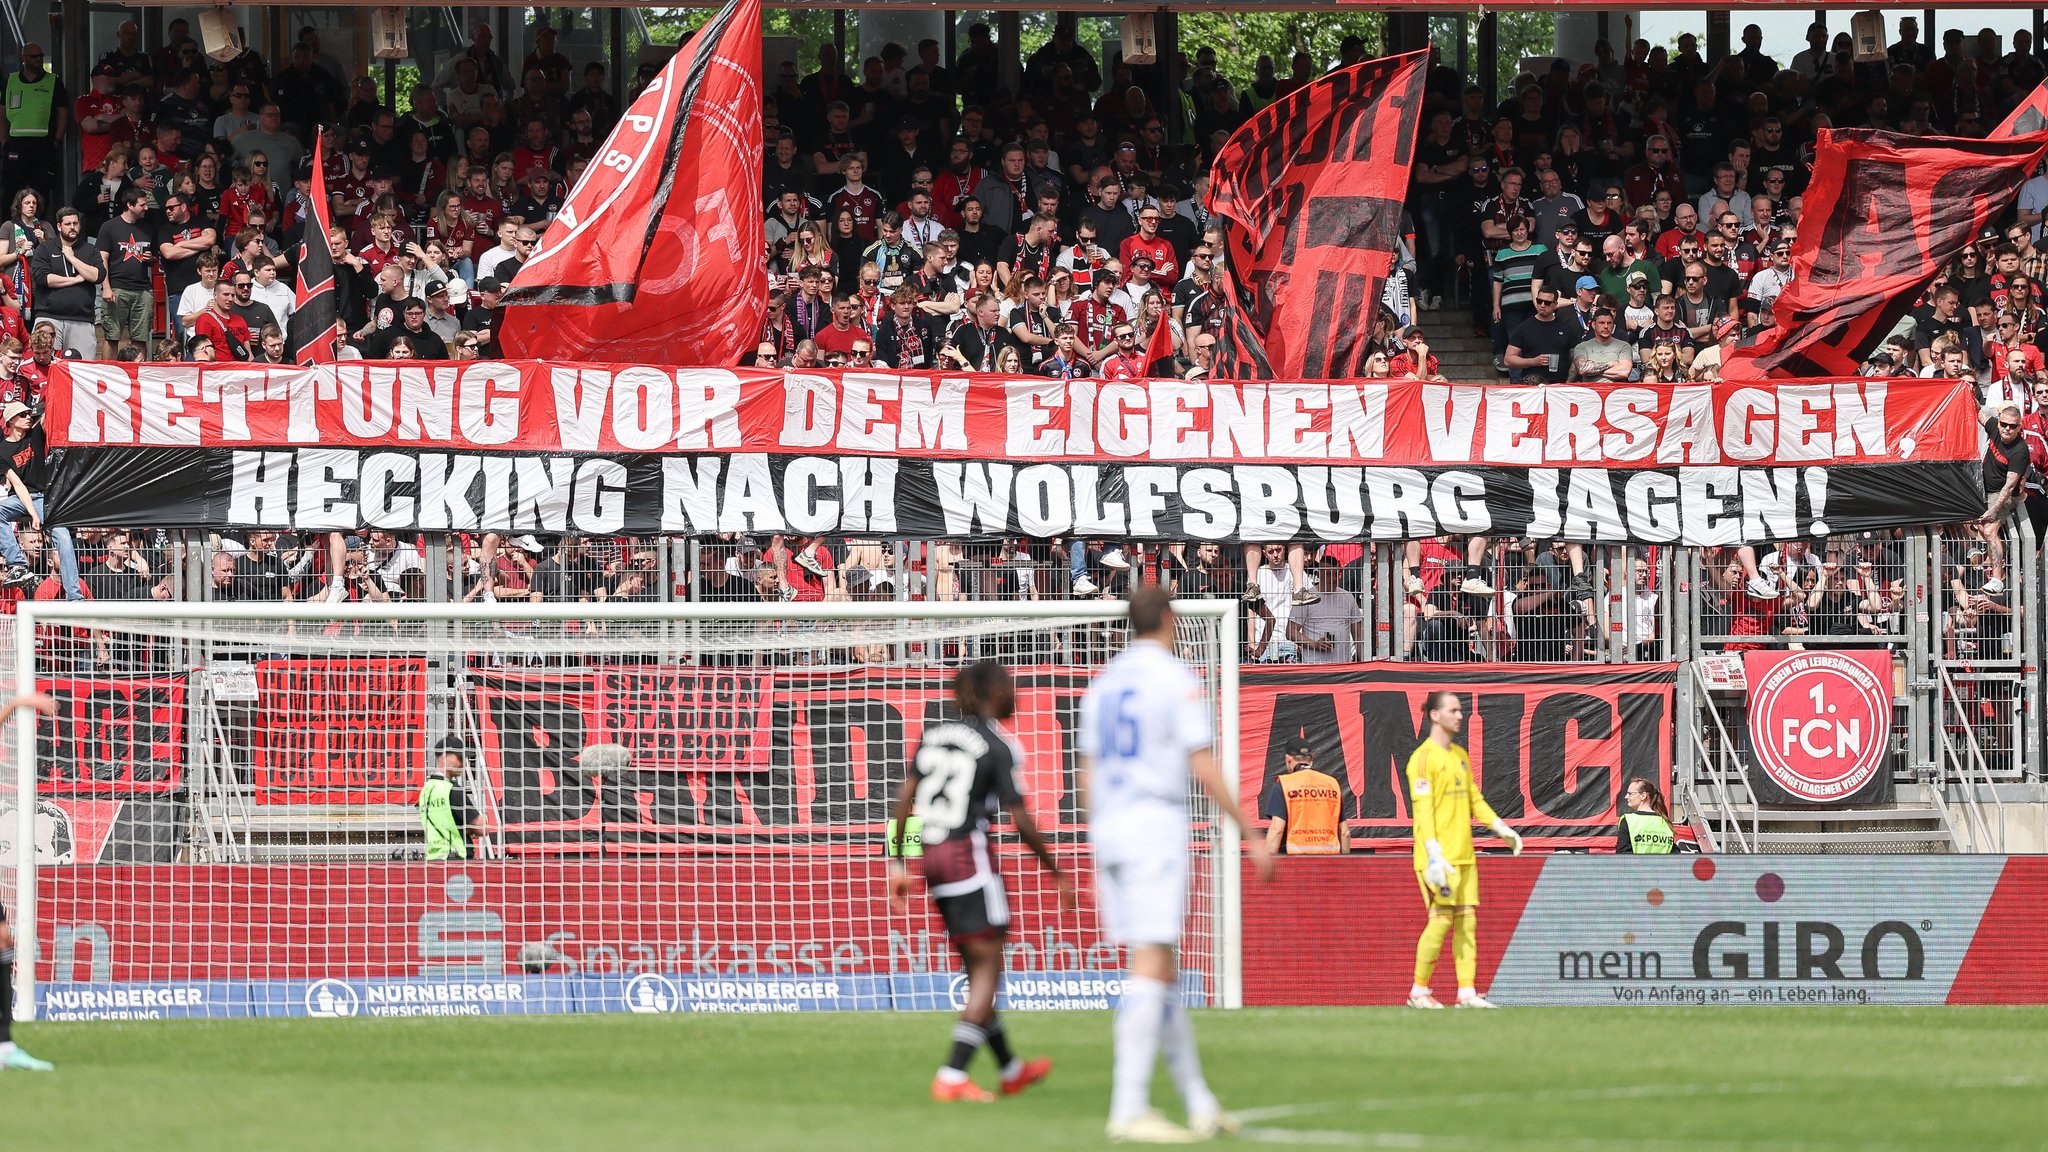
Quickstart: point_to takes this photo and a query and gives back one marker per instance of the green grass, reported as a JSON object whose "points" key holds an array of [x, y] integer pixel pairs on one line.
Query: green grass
{"points": [[1597, 1079]]}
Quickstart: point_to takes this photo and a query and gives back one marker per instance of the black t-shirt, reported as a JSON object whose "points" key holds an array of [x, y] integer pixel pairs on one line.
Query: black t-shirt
{"points": [[965, 770], [981, 245], [1723, 282], [76, 301], [179, 274], [29, 458], [107, 584], [1429, 154], [2000, 461], [1555, 337], [129, 248]]}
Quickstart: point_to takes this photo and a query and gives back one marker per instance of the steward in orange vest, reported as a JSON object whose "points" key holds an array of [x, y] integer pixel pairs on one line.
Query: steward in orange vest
{"points": [[1305, 807]]}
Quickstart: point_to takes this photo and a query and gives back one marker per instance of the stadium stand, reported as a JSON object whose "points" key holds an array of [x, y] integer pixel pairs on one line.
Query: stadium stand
{"points": [[919, 215]]}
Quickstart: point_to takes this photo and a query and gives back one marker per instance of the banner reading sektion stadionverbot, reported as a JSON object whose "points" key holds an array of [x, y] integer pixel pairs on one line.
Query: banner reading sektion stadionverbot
{"points": [[531, 446]]}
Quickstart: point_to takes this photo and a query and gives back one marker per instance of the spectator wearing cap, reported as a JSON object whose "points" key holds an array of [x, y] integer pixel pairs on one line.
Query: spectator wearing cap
{"points": [[1147, 242], [1585, 301], [905, 153], [100, 117], [1572, 264], [27, 475], [1304, 808], [412, 326], [1331, 628], [541, 200], [441, 318], [1773, 278], [481, 319]]}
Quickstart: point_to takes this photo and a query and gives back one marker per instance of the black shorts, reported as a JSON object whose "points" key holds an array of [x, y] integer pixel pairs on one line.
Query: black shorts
{"points": [[965, 887]]}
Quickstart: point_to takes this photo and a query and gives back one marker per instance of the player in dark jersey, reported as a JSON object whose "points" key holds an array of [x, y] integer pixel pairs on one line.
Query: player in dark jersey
{"points": [[965, 770], [11, 1057]]}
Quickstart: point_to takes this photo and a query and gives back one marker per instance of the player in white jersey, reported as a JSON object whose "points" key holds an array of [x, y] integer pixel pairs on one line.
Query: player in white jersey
{"points": [[1145, 728]]}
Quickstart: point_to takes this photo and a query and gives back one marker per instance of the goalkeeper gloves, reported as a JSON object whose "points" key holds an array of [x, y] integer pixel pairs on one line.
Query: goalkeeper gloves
{"points": [[1514, 838], [1439, 874]]}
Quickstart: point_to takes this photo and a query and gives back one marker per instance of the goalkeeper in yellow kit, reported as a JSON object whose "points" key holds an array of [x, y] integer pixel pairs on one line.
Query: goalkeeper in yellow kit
{"points": [[1446, 806]]}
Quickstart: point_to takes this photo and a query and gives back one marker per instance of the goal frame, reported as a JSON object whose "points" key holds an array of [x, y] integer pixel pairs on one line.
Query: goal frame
{"points": [[31, 614]]}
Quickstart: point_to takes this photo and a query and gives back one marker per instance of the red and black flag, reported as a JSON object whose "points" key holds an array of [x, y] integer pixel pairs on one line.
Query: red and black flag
{"points": [[1159, 349], [1313, 186], [656, 256], [1884, 214], [316, 307]]}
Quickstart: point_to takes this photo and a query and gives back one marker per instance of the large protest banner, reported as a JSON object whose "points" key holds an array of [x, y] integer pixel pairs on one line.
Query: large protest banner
{"points": [[544, 447]]}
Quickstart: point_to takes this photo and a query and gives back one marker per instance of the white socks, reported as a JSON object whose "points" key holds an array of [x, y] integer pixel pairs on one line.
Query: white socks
{"points": [[1185, 1063], [1140, 1022]]}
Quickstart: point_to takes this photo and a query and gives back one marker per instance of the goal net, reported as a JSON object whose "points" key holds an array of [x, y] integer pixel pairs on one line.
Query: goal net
{"points": [[671, 807]]}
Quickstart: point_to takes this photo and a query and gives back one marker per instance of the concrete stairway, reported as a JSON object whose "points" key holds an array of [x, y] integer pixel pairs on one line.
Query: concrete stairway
{"points": [[1463, 357]]}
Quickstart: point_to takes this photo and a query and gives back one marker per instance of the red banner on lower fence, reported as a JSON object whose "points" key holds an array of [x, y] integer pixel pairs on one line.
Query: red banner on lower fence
{"points": [[329, 731], [377, 921], [1820, 726], [113, 737], [1552, 746], [799, 755]]}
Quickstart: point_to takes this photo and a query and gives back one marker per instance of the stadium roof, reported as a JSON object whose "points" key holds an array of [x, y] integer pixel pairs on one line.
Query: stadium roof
{"points": [[1110, 6]]}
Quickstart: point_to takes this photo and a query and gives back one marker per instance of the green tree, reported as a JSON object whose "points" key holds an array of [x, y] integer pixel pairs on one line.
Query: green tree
{"points": [[1518, 34], [1240, 38]]}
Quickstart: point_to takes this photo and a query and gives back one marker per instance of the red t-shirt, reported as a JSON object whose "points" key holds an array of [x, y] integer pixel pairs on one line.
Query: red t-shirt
{"points": [[1165, 270], [93, 147], [831, 339], [1435, 563], [1749, 616], [809, 589], [236, 200]]}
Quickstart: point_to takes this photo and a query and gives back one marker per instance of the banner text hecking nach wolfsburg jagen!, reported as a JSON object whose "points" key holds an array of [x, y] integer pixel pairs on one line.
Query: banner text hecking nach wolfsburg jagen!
{"points": [[529, 446]]}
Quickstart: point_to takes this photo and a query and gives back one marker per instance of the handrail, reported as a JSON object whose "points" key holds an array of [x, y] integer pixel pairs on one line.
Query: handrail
{"points": [[1705, 834], [1981, 833], [1728, 758]]}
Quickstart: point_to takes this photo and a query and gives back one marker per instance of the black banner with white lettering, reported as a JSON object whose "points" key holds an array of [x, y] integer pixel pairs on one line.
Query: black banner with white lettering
{"points": [[896, 497]]}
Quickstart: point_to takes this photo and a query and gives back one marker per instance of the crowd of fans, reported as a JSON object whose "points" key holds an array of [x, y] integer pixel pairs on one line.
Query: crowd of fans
{"points": [[1628, 219]]}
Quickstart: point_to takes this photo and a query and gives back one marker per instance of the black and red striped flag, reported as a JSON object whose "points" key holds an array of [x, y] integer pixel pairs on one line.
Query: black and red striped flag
{"points": [[1884, 214], [316, 310], [1313, 186]]}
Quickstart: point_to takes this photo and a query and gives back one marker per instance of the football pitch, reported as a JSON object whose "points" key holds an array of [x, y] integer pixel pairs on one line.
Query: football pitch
{"points": [[1627, 1080]]}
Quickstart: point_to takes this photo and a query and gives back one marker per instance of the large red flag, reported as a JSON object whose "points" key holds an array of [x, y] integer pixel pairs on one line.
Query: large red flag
{"points": [[1313, 185], [1884, 213], [656, 256], [316, 308]]}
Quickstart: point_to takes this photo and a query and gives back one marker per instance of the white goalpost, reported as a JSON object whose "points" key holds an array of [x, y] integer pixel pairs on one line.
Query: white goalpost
{"points": [[671, 807]]}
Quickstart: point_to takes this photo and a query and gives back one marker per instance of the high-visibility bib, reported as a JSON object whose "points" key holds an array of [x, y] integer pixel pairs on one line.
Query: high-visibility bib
{"points": [[1649, 834], [28, 104], [1314, 807]]}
